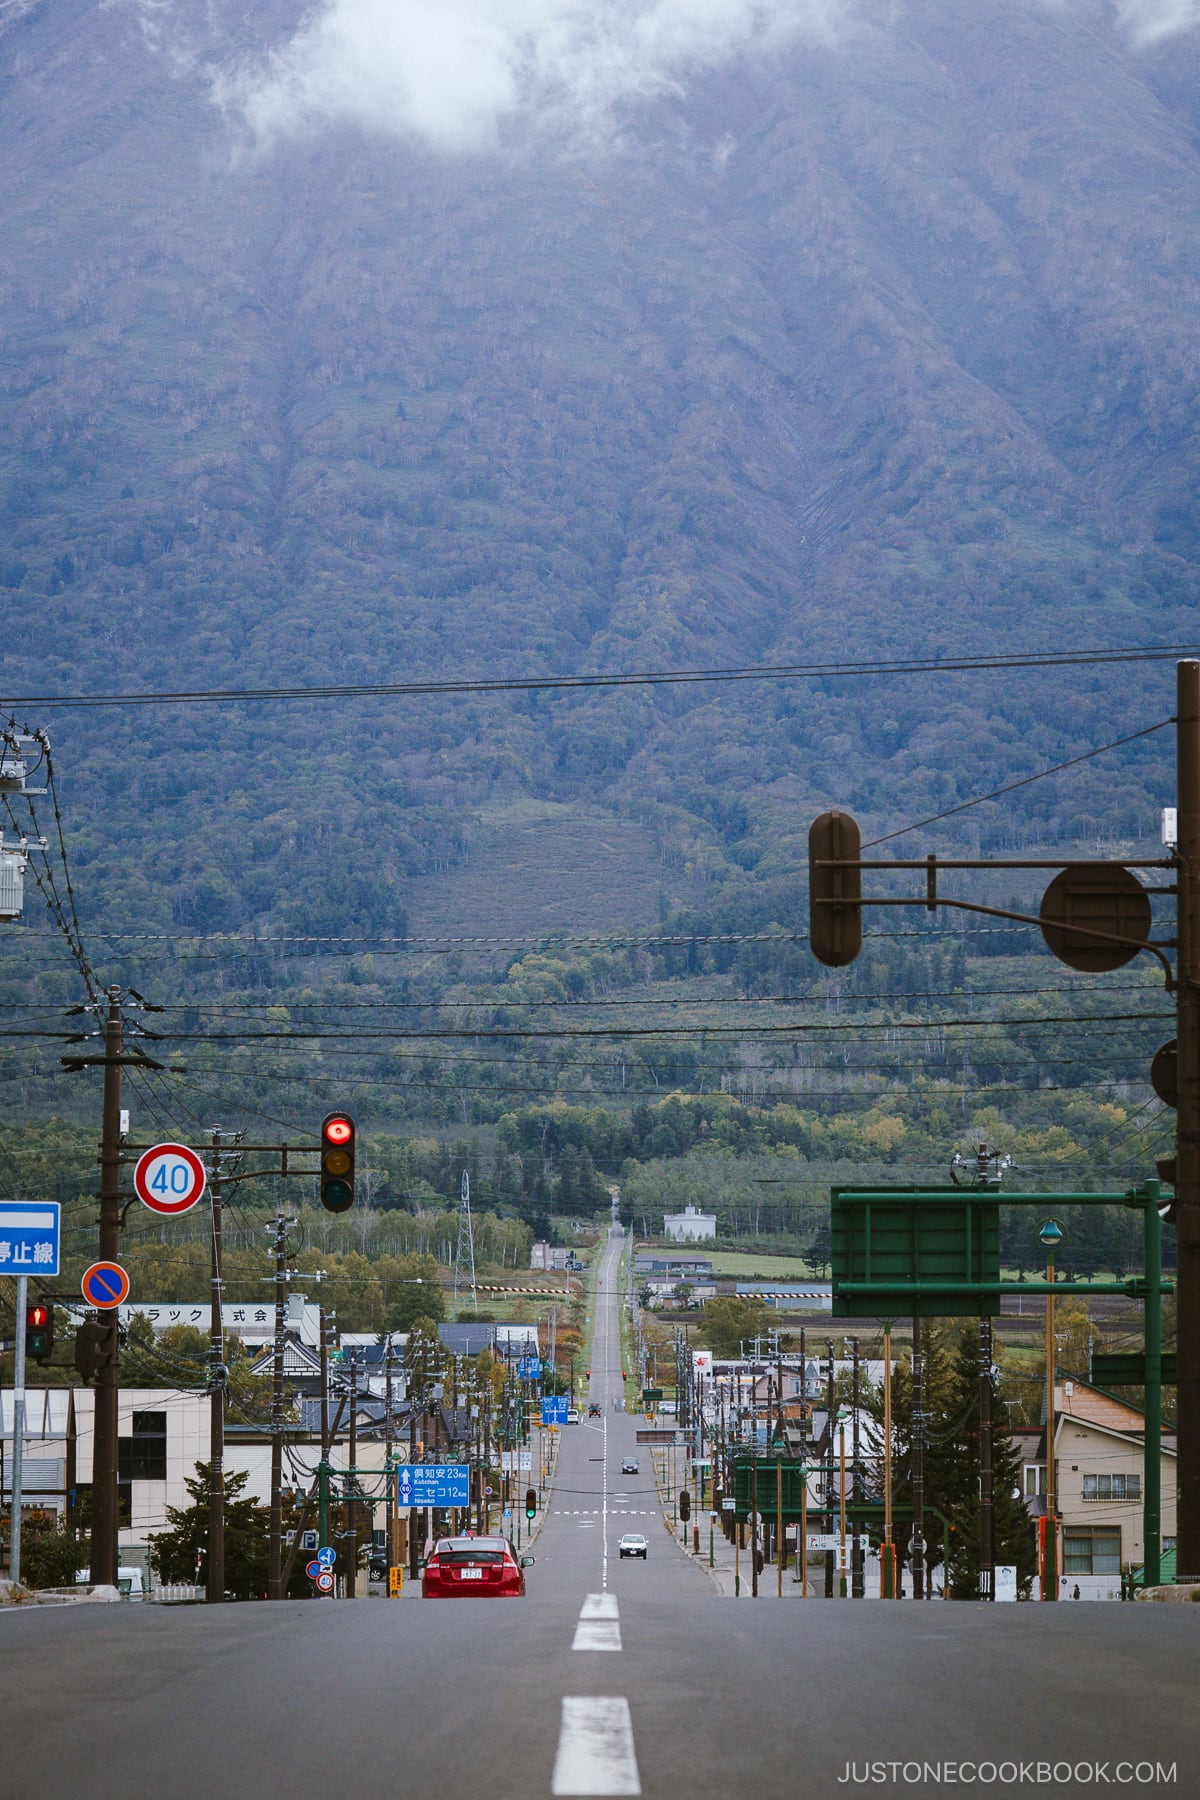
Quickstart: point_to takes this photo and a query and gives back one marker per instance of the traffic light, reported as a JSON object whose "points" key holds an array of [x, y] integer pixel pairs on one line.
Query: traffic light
{"points": [[685, 1505], [337, 1162], [95, 1347], [39, 1330], [834, 848], [531, 1504]]}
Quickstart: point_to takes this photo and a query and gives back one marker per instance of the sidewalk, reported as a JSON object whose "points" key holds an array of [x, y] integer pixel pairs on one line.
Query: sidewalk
{"points": [[730, 1575]]}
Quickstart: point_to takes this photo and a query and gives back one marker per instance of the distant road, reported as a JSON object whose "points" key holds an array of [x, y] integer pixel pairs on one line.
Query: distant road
{"points": [[705, 1698]]}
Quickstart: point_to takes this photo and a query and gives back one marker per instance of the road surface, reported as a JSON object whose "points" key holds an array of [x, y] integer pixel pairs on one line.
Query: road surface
{"points": [[610, 1678]]}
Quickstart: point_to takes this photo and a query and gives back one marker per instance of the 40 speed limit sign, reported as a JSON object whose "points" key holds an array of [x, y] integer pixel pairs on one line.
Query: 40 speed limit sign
{"points": [[169, 1178]]}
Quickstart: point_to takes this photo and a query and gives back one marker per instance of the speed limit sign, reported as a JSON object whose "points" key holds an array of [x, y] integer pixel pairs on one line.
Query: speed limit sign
{"points": [[169, 1178]]}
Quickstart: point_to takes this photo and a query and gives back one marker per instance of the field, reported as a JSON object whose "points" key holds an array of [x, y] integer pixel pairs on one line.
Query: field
{"points": [[746, 1266]]}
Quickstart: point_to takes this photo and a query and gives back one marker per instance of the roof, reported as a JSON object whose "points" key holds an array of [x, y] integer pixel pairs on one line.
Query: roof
{"points": [[1094, 1405], [466, 1337]]}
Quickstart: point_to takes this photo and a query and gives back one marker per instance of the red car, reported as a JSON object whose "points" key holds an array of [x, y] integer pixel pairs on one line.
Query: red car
{"points": [[474, 1568]]}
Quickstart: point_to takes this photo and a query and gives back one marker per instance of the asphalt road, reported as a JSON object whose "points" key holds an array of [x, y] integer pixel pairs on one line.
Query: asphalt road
{"points": [[610, 1677]]}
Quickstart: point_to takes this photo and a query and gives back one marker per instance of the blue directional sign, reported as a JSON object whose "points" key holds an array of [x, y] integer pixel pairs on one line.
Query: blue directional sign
{"points": [[529, 1368], [554, 1409], [433, 1484], [326, 1556], [29, 1237]]}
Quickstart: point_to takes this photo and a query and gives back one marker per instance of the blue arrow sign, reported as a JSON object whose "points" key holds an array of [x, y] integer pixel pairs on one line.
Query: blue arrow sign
{"points": [[529, 1368], [433, 1484], [29, 1237], [554, 1409], [326, 1556]]}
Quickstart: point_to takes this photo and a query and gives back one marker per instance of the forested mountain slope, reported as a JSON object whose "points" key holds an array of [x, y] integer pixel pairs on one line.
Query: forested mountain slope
{"points": [[876, 338]]}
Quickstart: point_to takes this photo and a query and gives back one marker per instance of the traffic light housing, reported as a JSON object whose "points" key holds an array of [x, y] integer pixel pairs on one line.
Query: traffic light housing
{"points": [[337, 1162], [685, 1505], [39, 1330], [95, 1347], [834, 848], [531, 1504]]}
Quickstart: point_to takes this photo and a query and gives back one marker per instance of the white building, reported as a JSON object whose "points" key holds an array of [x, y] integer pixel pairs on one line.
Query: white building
{"points": [[690, 1226], [161, 1435]]}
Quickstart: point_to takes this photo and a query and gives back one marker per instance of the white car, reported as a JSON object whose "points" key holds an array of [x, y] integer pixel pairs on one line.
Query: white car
{"points": [[633, 1544]]}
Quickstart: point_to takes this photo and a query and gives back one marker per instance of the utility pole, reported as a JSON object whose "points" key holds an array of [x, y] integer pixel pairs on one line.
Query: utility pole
{"points": [[18, 1433], [987, 1571], [275, 1543], [388, 1442], [323, 1465], [214, 1576], [858, 1585], [829, 1557], [889, 1547], [918, 1463], [104, 1447], [352, 1482], [1187, 1127]]}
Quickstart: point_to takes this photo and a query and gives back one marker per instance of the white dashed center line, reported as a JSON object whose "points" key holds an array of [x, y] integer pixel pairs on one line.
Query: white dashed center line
{"points": [[598, 1627], [595, 1747]]}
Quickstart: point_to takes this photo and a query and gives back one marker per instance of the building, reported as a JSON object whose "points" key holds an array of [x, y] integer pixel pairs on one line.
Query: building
{"points": [[1099, 1449], [162, 1434], [690, 1226]]}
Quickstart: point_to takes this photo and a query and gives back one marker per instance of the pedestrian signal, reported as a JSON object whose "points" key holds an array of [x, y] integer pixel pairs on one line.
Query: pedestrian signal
{"points": [[39, 1330]]}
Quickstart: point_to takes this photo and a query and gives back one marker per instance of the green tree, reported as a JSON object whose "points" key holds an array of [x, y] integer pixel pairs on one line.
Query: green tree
{"points": [[956, 1440], [51, 1554], [181, 1553], [727, 1321]]}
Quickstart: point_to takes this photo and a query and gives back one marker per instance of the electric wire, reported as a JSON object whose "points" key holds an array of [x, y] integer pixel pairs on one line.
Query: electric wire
{"points": [[937, 665]]}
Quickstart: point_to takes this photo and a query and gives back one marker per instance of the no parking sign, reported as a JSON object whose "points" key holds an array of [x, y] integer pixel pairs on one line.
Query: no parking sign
{"points": [[169, 1178]]}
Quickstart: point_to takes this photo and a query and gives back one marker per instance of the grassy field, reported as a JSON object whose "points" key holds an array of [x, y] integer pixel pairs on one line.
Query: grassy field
{"points": [[744, 1266]]}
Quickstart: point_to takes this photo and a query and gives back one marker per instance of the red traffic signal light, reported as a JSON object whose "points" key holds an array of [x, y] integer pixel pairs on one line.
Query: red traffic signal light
{"points": [[531, 1503], [337, 1162], [39, 1330]]}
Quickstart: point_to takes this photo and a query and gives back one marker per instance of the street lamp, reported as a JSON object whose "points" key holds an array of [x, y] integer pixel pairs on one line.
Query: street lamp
{"points": [[1050, 1235]]}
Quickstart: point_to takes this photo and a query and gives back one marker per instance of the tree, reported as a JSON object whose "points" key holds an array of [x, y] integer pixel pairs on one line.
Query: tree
{"points": [[180, 1553], [51, 1554], [956, 1492], [728, 1320]]}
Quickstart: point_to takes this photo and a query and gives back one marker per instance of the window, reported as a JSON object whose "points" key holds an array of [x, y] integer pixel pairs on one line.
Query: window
{"points": [[1035, 1480], [1112, 1487], [143, 1456], [1092, 1550]]}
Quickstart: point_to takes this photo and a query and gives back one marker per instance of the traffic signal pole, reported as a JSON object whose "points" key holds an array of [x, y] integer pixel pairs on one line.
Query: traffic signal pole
{"points": [[18, 1431], [104, 1439], [1187, 1139], [214, 1574]]}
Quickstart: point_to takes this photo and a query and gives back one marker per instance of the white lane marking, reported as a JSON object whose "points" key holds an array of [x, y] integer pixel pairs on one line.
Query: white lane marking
{"points": [[595, 1747], [597, 1634], [600, 1606]]}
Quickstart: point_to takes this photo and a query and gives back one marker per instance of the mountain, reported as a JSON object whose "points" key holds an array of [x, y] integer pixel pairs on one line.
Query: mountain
{"points": [[874, 338]]}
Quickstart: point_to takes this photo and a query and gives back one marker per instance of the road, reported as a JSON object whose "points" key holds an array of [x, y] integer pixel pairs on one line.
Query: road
{"points": [[692, 1696]]}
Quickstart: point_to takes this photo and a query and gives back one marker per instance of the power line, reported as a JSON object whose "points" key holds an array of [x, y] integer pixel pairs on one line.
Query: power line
{"points": [[645, 678], [1012, 786]]}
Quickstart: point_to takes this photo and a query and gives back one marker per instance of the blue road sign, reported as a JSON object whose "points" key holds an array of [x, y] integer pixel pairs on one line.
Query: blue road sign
{"points": [[29, 1237], [313, 1570], [529, 1368], [433, 1484], [326, 1556], [554, 1409]]}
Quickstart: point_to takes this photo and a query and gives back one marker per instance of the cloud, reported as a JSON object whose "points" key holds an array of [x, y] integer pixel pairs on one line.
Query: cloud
{"points": [[1151, 20], [460, 74]]}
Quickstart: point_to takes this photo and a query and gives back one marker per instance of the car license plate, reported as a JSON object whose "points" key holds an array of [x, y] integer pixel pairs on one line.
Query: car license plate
{"points": [[471, 1574]]}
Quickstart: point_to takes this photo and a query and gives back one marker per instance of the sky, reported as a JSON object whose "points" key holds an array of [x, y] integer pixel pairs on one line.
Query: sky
{"points": [[464, 74]]}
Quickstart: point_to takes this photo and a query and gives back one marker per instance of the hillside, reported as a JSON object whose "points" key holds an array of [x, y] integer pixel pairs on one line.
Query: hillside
{"points": [[869, 340]]}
